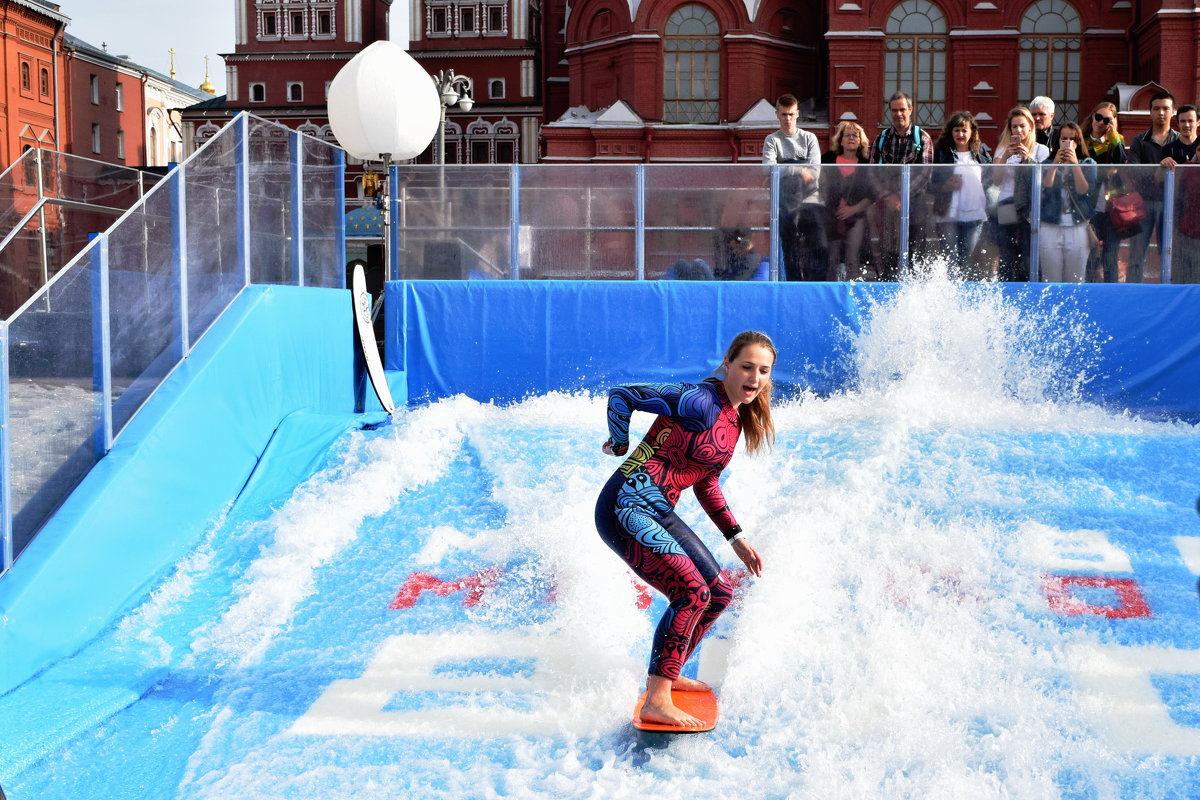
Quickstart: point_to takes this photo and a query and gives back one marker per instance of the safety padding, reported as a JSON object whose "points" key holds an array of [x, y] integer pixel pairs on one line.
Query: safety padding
{"points": [[503, 340], [177, 466]]}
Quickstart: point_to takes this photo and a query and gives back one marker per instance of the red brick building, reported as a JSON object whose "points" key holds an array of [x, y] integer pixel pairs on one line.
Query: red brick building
{"points": [[683, 73], [32, 62], [286, 53]]}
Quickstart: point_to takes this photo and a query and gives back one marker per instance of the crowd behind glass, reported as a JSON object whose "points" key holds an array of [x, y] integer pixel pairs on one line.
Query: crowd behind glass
{"points": [[1089, 217]]}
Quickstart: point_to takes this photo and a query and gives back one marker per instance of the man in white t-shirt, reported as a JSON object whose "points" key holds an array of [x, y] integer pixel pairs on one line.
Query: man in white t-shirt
{"points": [[801, 214]]}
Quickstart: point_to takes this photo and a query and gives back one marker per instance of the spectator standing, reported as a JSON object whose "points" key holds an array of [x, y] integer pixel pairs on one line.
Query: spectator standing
{"points": [[1146, 148], [1106, 146], [959, 202], [1068, 198], [902, 143], [1017, 146], [1042, 111], [1182, 148], [849, 192], [801, 214]]}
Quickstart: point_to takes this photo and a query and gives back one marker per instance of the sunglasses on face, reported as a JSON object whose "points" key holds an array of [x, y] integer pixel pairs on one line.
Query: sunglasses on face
{"points": [[1103, 119]]}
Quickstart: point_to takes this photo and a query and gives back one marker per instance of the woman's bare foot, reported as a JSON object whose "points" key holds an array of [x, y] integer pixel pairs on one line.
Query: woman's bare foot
{"points": [[668, 714], [660, 709], [689, 685]]}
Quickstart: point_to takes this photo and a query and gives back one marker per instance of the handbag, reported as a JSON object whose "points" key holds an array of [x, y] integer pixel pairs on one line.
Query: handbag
{"points": [[1126, 212], [1006, 214]]}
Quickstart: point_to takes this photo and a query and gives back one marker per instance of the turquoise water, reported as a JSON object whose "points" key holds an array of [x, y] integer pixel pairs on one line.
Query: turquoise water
{"points": [[974, 587]]}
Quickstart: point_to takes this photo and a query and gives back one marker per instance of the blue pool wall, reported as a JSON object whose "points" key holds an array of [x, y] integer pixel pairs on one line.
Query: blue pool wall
{"points": [[503, 340], [278, 378]]}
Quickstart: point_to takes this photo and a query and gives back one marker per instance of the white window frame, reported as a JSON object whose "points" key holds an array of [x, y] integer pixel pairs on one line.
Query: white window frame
{"points": [[305, 27], [445, 8], [459, 9], [253, 86], [262, 35], [503, 89], [487, 28], [121, 144], [95, 87], [317, 11], [95, 137], [120, 96], [292, 84]]}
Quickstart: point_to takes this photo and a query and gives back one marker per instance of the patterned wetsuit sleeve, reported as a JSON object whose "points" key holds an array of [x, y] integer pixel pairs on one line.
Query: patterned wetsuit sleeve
{"points": [[712, 500], [685, 402]]}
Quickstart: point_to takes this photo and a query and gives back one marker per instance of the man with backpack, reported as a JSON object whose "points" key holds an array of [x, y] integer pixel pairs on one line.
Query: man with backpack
{"points": [[902, 143]]}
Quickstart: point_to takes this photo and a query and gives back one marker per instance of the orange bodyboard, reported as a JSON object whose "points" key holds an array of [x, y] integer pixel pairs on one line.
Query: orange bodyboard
{"points": [[702, 705]]}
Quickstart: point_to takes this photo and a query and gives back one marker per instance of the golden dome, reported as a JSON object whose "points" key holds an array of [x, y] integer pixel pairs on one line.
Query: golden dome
{"points": [[208, 85]]}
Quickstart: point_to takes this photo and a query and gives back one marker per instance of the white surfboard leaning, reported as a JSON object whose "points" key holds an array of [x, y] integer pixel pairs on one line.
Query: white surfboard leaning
{"points": [[366, 338]]}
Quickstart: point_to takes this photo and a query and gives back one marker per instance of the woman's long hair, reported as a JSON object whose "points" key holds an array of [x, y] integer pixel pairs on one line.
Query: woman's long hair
{"points": [[1006, 135], [1081, 142], [755, 416], [960, 118]]}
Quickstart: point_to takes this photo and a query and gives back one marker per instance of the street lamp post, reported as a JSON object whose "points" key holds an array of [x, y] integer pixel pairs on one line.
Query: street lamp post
{"points": [[452, 90]]}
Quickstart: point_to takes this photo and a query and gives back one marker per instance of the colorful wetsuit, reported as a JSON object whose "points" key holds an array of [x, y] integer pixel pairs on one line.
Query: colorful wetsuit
{"points": [[689, 444]]}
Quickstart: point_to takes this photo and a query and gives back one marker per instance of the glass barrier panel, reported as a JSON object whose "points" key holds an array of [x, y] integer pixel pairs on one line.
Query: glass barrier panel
{"points": [[144, 305], [18, 190], [84, 180], [323, 265], [214, 265], [454, 222], [709, 222], [23, 269], [1185, 250], [271, 204], [53, 398], [579, 222]]}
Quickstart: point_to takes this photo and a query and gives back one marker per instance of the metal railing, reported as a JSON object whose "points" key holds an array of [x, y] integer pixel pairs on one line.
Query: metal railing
{"points": [[53, 202]]}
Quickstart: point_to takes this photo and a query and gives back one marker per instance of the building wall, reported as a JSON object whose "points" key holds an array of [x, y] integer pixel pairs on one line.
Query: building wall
{"points": [[106, 123], [29, 113]]}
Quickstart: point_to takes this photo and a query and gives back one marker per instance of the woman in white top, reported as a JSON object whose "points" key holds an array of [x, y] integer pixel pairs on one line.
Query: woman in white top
{"points": [[959, 202], [1018, 146]]}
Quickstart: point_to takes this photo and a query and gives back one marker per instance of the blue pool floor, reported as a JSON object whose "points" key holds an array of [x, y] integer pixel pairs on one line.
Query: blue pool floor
{"points": [[948, 610]]}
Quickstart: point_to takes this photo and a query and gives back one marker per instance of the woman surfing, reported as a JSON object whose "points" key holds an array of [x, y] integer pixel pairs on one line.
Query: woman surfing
{"points": [[689, 445]]}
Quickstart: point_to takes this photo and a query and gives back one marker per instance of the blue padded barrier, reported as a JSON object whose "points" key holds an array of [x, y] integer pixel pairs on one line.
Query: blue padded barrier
{"points": [[179, 464], [503, 340]]}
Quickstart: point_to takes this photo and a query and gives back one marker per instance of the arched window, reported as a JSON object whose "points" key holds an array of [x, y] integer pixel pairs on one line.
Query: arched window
{"points": [[914, 59], [45, 82], [1050, 58], [692, 66], [25, 76]]}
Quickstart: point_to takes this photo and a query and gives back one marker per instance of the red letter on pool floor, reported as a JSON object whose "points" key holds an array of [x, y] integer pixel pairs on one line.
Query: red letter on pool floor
{"points": [[419, 582], [1132, 603]]}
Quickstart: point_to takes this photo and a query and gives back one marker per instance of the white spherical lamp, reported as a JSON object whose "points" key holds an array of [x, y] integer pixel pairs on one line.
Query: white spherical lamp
{"points": [[383, 106]]}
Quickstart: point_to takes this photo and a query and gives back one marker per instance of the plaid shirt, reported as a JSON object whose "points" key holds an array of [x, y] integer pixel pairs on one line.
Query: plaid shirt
{"points": [[891, 148]]}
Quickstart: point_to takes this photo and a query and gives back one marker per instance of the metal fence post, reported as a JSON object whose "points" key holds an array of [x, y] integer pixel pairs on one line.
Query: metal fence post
{"points": [[639, 212], [775, 249], [339, 215], [392, 267], [514, 222], [905, 211], [1035, 225], [242, 176], [296, 251], [179, 254], [101, 348], [6, 512], [1166, 235]]}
